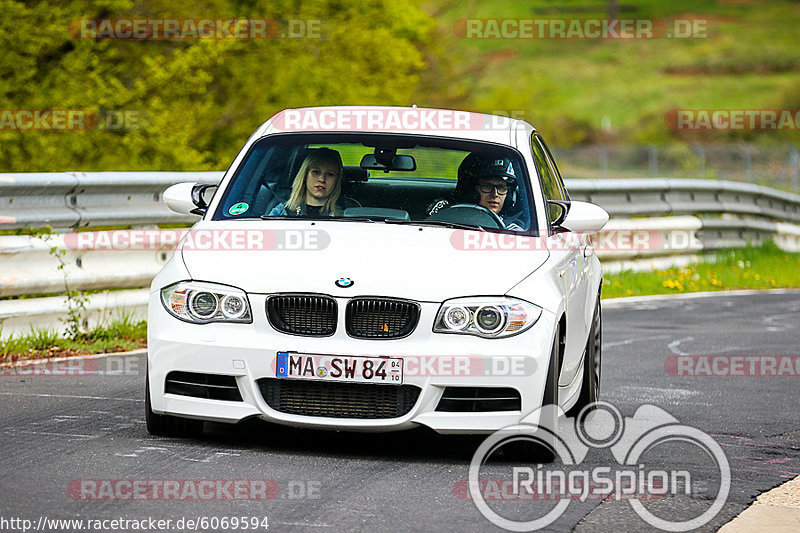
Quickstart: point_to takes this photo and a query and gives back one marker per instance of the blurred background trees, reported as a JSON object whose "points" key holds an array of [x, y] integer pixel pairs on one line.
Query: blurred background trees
{"points": [[196, 101]]}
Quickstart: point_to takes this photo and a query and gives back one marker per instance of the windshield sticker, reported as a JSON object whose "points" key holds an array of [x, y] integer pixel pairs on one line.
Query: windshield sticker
{"points": [[238, 209]]}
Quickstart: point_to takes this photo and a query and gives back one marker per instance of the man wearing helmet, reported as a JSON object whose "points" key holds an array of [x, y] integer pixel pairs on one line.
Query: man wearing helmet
{"points": [[486, 181]]}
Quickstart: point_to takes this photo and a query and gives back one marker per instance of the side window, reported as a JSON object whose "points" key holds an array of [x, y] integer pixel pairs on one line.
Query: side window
{"points": [[553, 165], [550, 184]]}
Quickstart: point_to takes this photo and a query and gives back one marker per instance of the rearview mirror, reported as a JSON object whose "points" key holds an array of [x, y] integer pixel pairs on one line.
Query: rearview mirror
{"points": [[398, 162]]}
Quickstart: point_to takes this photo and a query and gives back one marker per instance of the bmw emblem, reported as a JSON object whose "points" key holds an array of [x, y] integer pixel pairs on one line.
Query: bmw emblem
{"points": [[345, 283]]}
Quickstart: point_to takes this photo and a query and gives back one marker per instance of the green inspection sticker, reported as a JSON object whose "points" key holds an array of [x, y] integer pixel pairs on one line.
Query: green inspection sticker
{"points": [[238, 209]]}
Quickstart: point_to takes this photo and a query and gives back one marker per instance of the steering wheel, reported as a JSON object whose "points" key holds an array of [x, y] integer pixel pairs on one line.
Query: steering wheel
{"points": [[469, 214]]}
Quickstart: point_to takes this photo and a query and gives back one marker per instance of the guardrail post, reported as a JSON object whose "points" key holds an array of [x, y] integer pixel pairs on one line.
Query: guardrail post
{"points": [[701, 158], [748, 163], [604, 160], [651, 150], [794, 166]]}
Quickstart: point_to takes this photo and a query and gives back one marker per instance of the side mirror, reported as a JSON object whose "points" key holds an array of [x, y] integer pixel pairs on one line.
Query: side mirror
{"points": [[187, 198], [584, 217]]}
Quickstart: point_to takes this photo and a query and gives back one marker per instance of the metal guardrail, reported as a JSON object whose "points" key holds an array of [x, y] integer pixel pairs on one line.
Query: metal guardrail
{"points": [[712, 213], [649, 197], [64, 200]]}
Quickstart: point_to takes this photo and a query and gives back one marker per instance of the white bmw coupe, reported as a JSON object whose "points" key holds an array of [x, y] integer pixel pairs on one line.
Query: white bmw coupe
{"points": [[377, 269]]}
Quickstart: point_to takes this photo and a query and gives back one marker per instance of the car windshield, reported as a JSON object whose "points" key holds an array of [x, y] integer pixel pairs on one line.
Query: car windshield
{"points": [[397, 179]]}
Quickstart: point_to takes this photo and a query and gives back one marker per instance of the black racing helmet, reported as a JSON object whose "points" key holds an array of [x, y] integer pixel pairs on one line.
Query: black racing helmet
{"points": [[476, 167]]}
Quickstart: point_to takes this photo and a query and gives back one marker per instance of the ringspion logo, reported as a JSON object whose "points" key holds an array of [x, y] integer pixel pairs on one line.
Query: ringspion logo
{"points": [[634, 476]]}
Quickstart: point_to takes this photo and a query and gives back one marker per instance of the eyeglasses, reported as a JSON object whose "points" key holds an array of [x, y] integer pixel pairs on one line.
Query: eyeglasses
{"points": [[485, 187]]}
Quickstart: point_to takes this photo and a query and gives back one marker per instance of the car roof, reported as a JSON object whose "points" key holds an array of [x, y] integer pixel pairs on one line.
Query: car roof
{"points": [[401, 120]]}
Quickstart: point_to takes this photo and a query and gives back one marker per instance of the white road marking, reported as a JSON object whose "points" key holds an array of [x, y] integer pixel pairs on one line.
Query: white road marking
{"points": [[631, 341], [28, 432], [170, 450], [301, 524], [673, 346], [71, 396]]}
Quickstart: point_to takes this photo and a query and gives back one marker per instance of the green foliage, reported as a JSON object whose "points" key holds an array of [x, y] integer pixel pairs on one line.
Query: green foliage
{"points": [[566, 87], [124, 327], [195, 100], [76, 319], [121, 333]]}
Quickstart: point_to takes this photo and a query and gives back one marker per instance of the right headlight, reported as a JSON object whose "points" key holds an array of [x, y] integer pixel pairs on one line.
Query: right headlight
{"points": [[486, 317], [200, 302]]}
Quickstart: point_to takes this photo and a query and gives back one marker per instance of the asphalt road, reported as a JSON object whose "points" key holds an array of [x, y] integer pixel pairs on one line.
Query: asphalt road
{"points": [[59, 431]]}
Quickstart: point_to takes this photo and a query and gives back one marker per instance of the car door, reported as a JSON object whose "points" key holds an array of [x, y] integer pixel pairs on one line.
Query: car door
{"points": [[572, 265]]}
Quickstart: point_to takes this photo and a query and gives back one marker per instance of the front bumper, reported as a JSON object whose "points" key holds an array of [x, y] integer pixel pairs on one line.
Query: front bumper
{"points": [[432, 362]]}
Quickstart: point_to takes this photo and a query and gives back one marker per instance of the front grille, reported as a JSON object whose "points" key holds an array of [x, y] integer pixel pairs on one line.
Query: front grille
{"points": [[479, 399], [302, 314], [210, 386], [338, 400], [380, 318]]}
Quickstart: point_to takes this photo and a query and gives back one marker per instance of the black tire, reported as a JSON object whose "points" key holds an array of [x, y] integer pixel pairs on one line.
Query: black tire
{"points": [[590, 383], [167, 425], [543, 449]]}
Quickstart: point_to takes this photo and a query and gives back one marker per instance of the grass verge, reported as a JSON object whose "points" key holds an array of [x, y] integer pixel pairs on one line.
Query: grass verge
{"points": [[753, 267], [119, 334]]}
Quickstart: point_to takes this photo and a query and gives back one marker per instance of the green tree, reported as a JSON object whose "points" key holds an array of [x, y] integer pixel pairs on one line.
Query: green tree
{"points": [[196, 100]]}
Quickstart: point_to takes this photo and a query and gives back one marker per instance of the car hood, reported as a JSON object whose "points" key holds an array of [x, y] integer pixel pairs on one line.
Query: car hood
{"points": [[402, 261]]}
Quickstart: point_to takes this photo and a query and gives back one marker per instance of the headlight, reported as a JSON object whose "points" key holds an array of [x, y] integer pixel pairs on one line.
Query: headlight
{"points": [[201, 302], [486, 317]]}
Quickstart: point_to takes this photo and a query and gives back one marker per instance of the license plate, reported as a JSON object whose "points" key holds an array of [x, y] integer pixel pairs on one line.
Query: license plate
{"points": [[382, 370]]}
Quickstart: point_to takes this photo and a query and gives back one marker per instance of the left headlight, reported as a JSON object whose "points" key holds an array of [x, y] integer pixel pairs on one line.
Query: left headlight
{"points": [[200, 302], [486, 317]]}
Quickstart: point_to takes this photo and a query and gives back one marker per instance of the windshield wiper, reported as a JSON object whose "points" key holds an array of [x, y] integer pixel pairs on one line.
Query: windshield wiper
{"points": [[435, 223], [323, 218]]}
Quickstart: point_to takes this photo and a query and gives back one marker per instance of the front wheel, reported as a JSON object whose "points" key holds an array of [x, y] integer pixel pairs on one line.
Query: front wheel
{"points": [[542, 448]]}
